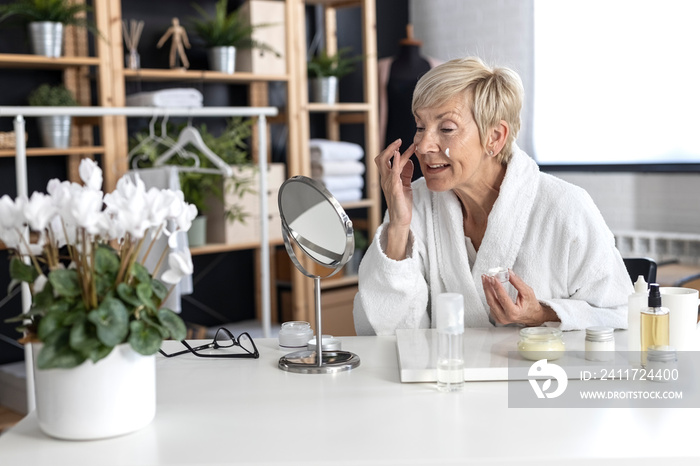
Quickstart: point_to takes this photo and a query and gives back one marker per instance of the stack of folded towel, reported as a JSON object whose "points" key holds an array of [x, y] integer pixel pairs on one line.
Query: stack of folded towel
{"points": [[181, 97], [338, 166]]}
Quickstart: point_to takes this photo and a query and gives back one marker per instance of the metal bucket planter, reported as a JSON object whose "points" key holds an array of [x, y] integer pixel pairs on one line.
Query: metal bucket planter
{"points": [[46, 38], [55, 131], [197, 234], [222, 59], [324, 90]]}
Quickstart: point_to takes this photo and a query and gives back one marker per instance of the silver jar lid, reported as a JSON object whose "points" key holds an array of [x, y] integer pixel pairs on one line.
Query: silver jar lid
{"points": [[661, 353], [328, 343], [599, 333]]}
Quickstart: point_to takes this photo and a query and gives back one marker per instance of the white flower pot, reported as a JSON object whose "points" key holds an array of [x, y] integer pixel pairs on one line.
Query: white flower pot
{"points": [[115, 396]]}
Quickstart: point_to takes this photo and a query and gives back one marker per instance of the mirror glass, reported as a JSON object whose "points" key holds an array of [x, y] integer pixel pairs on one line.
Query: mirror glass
{"points": [[316, 222]]}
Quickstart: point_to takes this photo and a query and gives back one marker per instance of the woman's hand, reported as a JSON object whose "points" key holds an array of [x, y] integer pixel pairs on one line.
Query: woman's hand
{"points": [[526, 309], [395, 173]]}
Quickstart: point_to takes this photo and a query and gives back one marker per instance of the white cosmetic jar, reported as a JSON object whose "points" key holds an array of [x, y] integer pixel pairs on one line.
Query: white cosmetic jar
{"points": [[295, 334], [541, 343], [600, 344]]}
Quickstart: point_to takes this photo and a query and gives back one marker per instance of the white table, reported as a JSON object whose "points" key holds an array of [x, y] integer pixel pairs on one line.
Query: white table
{"points": [[215, 412]]}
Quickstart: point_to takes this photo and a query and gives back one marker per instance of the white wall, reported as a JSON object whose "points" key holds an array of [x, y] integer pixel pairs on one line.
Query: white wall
{"points": [[502, 33], [644, 201]]}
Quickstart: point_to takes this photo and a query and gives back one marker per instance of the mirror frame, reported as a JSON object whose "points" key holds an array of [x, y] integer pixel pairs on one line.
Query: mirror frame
{"points": [[288, 232]]}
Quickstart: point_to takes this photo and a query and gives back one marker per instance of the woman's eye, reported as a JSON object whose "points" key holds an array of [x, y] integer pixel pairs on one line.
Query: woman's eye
{"points": [[447, 130], [419, 129]]}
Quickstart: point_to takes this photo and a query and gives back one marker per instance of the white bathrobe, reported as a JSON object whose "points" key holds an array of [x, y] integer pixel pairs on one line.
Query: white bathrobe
{"points": [[546, 230]]}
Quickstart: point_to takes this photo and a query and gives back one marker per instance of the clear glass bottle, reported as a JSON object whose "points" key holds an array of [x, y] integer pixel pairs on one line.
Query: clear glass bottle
{"points": [[654, 323], [450, 331]]}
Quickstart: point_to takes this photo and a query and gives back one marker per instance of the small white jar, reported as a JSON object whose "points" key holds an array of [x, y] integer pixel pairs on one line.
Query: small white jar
{"points": [[600, 344], [662, 363], [295, 334]]}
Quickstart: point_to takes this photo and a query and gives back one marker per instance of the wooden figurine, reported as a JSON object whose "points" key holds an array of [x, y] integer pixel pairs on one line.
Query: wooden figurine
{"points": [[179, 39]]}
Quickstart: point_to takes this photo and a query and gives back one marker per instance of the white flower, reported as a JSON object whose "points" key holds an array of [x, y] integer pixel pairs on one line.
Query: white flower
{"points": [[180, 263], [85, 209], [39, 211], [91, 174], [11, 216]]}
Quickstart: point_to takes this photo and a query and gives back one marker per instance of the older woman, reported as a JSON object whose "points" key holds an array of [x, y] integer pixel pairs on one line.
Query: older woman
{"points": [[483, 203]]}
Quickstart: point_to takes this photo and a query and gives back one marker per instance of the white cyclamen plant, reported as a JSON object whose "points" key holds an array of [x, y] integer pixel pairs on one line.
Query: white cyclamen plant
{"points": [[84, 265]]}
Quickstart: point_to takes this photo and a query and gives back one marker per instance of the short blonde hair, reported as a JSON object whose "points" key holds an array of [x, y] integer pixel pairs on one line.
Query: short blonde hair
{"points": [[494, 94]]}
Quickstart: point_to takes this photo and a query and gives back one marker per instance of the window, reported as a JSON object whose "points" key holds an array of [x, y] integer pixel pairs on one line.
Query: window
{"points": [[617, 82]]}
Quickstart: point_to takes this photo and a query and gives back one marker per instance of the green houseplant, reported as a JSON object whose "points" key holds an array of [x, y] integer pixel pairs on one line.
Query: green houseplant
{"points": [[325, 70], [56, 129], [200, 188], [45, 20], [224, 32], [97, 315]]}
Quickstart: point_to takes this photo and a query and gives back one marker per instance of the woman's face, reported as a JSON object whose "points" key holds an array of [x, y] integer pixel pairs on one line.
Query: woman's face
{"points": [[452, 127]]}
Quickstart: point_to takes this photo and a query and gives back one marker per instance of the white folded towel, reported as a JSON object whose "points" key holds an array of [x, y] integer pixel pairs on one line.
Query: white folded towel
{"points": [[339, 182], [179, 97], [347, 195], [345, 167], [323, 149]]}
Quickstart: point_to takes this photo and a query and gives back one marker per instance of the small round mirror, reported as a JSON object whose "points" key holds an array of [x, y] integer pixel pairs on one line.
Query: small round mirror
{"points": [[314, 221]]}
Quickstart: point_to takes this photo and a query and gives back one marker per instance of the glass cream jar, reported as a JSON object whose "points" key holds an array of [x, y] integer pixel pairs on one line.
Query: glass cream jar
{"points": [[541, 343], [295, 334], [600, 344]]}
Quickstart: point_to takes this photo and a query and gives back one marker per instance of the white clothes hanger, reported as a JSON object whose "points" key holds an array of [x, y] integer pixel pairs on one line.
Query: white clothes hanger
{"points": [[190, 135]]}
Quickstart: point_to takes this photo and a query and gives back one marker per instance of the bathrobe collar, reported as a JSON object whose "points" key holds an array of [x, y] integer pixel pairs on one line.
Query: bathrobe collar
{"points": [[504, 234]]}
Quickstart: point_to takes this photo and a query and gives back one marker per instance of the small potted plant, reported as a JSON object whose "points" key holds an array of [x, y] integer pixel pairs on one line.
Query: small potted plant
{"points": [[325, 70], [55, 130], [97, 315], [200, 188], [45, 20], [223, 33]]}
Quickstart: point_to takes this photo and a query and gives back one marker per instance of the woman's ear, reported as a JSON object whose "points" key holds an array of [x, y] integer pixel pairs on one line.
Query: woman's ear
{"points": [[497, 137]]}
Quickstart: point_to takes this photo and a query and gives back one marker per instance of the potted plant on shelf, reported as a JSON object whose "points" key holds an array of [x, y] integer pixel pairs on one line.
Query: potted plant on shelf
{"points": [[201, 188], [325, 70], [96, 318], [45, 20], [223, 33], [55, 130]]}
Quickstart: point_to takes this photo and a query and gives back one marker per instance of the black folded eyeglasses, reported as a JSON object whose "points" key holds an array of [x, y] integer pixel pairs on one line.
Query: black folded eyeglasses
{"points": [[222, 340]]}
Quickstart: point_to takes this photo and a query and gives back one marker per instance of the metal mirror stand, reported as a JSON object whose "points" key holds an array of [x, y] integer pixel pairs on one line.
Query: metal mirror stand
{"points": [[300, 196]]}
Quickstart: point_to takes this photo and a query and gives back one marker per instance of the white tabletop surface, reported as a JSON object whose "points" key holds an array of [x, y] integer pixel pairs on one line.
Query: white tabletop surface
{"points": [[216, 412]]}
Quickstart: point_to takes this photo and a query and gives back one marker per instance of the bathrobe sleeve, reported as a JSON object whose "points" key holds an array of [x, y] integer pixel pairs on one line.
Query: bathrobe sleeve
{"points": [[393, 294], [587, 284]]}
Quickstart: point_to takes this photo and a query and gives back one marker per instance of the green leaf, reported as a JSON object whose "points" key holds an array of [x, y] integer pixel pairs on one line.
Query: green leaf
{"points": [[99, 352], [128, 294], [145, 293], [173, 322], [111, 320], [49, 324], [159, 289], [57, 353], [65, 282], [106, 260], [141, 274], [143, 338], [21, 271], [152, 320]]}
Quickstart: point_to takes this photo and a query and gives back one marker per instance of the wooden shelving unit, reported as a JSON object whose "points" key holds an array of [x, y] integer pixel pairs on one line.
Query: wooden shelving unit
{"points": [[364, 112]]}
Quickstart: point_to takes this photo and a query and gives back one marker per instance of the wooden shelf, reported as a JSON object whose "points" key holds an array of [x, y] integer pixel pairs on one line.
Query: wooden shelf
{"points": [[315, 107], [335, 3], [361, 204], [15, 60], [43, 151], [217, 248], [152, 74], [339, 282]]}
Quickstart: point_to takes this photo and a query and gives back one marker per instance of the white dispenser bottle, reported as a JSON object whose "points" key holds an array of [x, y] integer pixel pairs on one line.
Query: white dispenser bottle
{"points": [[635, 303], [450, 331]]}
